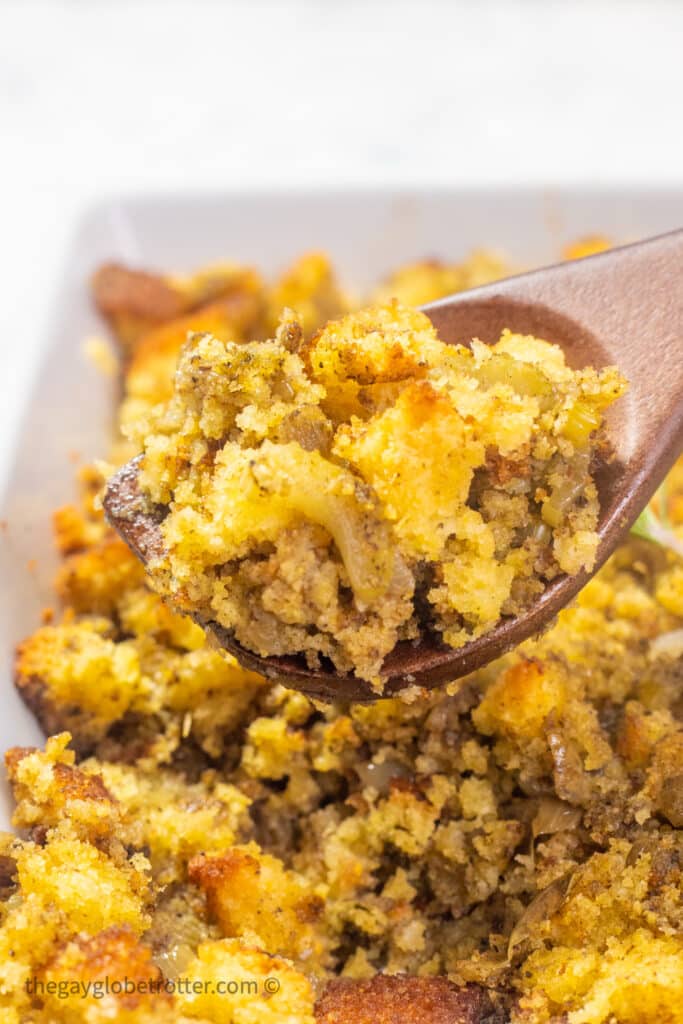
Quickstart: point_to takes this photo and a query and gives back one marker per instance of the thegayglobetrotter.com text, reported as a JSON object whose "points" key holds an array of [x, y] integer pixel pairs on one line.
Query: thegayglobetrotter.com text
{"points": [[102, 987]]}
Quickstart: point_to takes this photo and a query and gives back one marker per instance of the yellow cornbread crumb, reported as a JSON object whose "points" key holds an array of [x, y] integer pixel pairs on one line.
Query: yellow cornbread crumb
{"points": [[260, 989]]}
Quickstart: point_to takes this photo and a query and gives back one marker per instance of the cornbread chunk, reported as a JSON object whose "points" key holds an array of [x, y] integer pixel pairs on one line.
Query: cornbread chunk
{"points": [[77, 677], [95, 580], [132, 300], [385, 999], [636, 981], [587, 246], [171, 818], [236, 984], [319, 492], [597, 955], [136, 302], [254, 897], [311, 287], [135, 681], [72, 877], [418, 283], [149, 374], [50, 790], [109, 976], [77, 901]]}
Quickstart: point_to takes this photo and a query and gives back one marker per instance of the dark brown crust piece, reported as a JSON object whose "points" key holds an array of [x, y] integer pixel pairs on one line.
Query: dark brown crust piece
{"points": [[52, 719], [119, 290], [71, 781], [127, 740], [397, 999]]}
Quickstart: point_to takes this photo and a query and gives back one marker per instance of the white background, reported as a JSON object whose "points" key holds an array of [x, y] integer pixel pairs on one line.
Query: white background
{"points": [[99, 97]]}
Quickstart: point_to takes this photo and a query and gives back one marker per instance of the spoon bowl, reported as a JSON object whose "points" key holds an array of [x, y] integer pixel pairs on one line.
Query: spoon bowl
{"points": [[623, 307]]}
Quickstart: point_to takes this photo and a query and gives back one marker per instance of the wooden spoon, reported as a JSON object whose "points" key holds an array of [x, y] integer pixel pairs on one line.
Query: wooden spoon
{"points": [[622, 307]]}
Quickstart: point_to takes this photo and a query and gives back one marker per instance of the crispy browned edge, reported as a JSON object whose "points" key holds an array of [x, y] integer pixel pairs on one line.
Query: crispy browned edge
{"points": [[35, 695], [119, 290], [398, 999]]}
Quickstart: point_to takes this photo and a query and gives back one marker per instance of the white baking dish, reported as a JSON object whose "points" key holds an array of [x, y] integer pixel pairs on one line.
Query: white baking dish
{"points": [[68, 413]]}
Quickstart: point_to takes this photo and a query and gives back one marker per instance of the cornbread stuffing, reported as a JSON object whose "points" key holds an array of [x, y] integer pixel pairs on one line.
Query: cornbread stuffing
{"points": [[320, 492], [195, 843]]}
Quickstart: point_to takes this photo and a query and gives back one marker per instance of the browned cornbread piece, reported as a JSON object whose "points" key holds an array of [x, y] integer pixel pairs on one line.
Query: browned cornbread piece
{"points": [[110, 975], [94, 581], [309, 286], [388, 999], [252, 895], [136, 302]]}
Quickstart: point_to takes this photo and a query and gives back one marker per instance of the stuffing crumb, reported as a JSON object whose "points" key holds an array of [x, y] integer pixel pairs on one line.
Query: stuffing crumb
{"points": [[100, 353]]}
